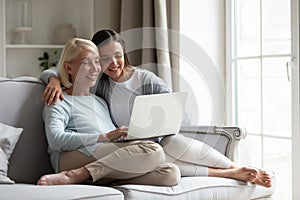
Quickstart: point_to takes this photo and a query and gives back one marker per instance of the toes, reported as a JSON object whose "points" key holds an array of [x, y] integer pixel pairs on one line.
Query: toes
{"points": [[43, 181]]}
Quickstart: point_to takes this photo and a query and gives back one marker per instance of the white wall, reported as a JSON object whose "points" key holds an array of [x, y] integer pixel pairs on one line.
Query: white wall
{"points": [[202, 69]]}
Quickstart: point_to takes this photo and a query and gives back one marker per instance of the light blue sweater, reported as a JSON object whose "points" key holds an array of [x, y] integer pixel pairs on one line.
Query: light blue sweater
{"points": [[75, 123]]}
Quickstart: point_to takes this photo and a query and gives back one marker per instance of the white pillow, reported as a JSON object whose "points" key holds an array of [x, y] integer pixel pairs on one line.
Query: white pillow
{"points": [[9, 136]]}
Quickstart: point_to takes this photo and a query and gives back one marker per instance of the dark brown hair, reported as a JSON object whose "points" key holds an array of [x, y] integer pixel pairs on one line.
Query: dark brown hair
{"points": [[105, 36]]}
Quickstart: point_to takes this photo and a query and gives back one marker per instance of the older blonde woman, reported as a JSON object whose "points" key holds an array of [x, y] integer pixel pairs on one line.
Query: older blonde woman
{"points": [[79, 131]]}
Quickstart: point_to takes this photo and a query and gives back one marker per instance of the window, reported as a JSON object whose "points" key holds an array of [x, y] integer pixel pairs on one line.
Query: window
{"points": [[202, 58], [259, 50]]}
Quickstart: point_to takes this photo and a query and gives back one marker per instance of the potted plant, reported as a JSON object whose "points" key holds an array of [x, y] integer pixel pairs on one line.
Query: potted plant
{"points": [[46, 63]]}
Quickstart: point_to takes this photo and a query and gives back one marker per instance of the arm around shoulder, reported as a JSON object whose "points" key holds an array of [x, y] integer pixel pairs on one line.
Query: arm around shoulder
{"points": [[53, 91], [46, 74]]}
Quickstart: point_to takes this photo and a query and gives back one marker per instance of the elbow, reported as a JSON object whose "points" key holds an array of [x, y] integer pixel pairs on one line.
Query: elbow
{"points": [[54, 147], [55, 144]]}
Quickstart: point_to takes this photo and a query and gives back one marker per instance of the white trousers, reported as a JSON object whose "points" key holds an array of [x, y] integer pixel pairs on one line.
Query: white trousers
{"points": [[193, 157]]}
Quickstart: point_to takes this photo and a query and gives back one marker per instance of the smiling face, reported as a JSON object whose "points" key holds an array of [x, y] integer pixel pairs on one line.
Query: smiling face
{"points": [[112, 59], [84, 69]]}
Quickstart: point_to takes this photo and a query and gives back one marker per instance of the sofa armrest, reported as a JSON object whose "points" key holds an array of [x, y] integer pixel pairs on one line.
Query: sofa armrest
{"points": [[223, 139]]}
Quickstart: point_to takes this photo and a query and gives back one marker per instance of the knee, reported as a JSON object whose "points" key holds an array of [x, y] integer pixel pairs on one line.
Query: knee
{"points": [[174, 145], [153, 150], [168, 140], [171, 173]]}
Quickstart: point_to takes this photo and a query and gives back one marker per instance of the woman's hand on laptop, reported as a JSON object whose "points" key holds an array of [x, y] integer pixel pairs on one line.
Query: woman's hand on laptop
{"points": [[113, 135]]}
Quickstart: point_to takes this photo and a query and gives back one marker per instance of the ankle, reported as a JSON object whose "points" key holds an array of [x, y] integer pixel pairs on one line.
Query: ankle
{"points": [[78, 175], [218, 172]]}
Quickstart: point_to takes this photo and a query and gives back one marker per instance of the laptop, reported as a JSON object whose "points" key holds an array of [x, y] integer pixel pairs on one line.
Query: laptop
{"points": [[156, 115]]}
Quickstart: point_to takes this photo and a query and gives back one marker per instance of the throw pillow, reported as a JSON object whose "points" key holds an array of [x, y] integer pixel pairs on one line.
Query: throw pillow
{"points": [[9, 136]]}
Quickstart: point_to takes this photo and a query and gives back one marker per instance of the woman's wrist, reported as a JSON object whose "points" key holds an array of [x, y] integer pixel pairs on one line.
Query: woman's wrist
{"points": [[52, 78], [102, 138]]}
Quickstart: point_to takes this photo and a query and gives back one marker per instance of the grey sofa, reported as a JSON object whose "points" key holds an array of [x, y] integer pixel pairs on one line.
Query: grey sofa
{"points": [[21, 106]]}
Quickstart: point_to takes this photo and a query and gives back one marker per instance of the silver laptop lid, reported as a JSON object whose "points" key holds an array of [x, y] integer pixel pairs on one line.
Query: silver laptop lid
{"points": [[156, 115]]}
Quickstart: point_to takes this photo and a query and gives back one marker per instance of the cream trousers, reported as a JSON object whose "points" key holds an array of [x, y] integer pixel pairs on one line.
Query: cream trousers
{"points": [[135, 162]]}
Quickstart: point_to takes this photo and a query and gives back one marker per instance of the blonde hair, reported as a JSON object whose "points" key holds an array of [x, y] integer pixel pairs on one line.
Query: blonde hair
{"points": [[72, 49]]}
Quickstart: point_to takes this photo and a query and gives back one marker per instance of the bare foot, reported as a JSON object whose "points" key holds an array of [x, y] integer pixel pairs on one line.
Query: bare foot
{"points": [[242, 173], [239, 173], [66, 177], [263, 179]]}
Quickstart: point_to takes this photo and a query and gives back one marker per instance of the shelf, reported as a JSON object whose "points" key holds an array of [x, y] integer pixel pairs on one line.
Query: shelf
{"points": [[34, 46], [20, 57], [45, 22]]}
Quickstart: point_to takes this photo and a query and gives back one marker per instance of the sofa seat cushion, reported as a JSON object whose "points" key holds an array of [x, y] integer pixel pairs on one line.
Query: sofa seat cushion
{"points": [[198, 188], [29, 192]]}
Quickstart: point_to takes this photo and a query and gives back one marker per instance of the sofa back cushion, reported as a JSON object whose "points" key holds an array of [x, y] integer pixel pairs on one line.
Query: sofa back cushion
{"points": [[21, 106]]}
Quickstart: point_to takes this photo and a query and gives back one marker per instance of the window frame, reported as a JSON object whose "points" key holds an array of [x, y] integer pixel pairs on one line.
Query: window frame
{"points": [[231, 83], [295, 9]]}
